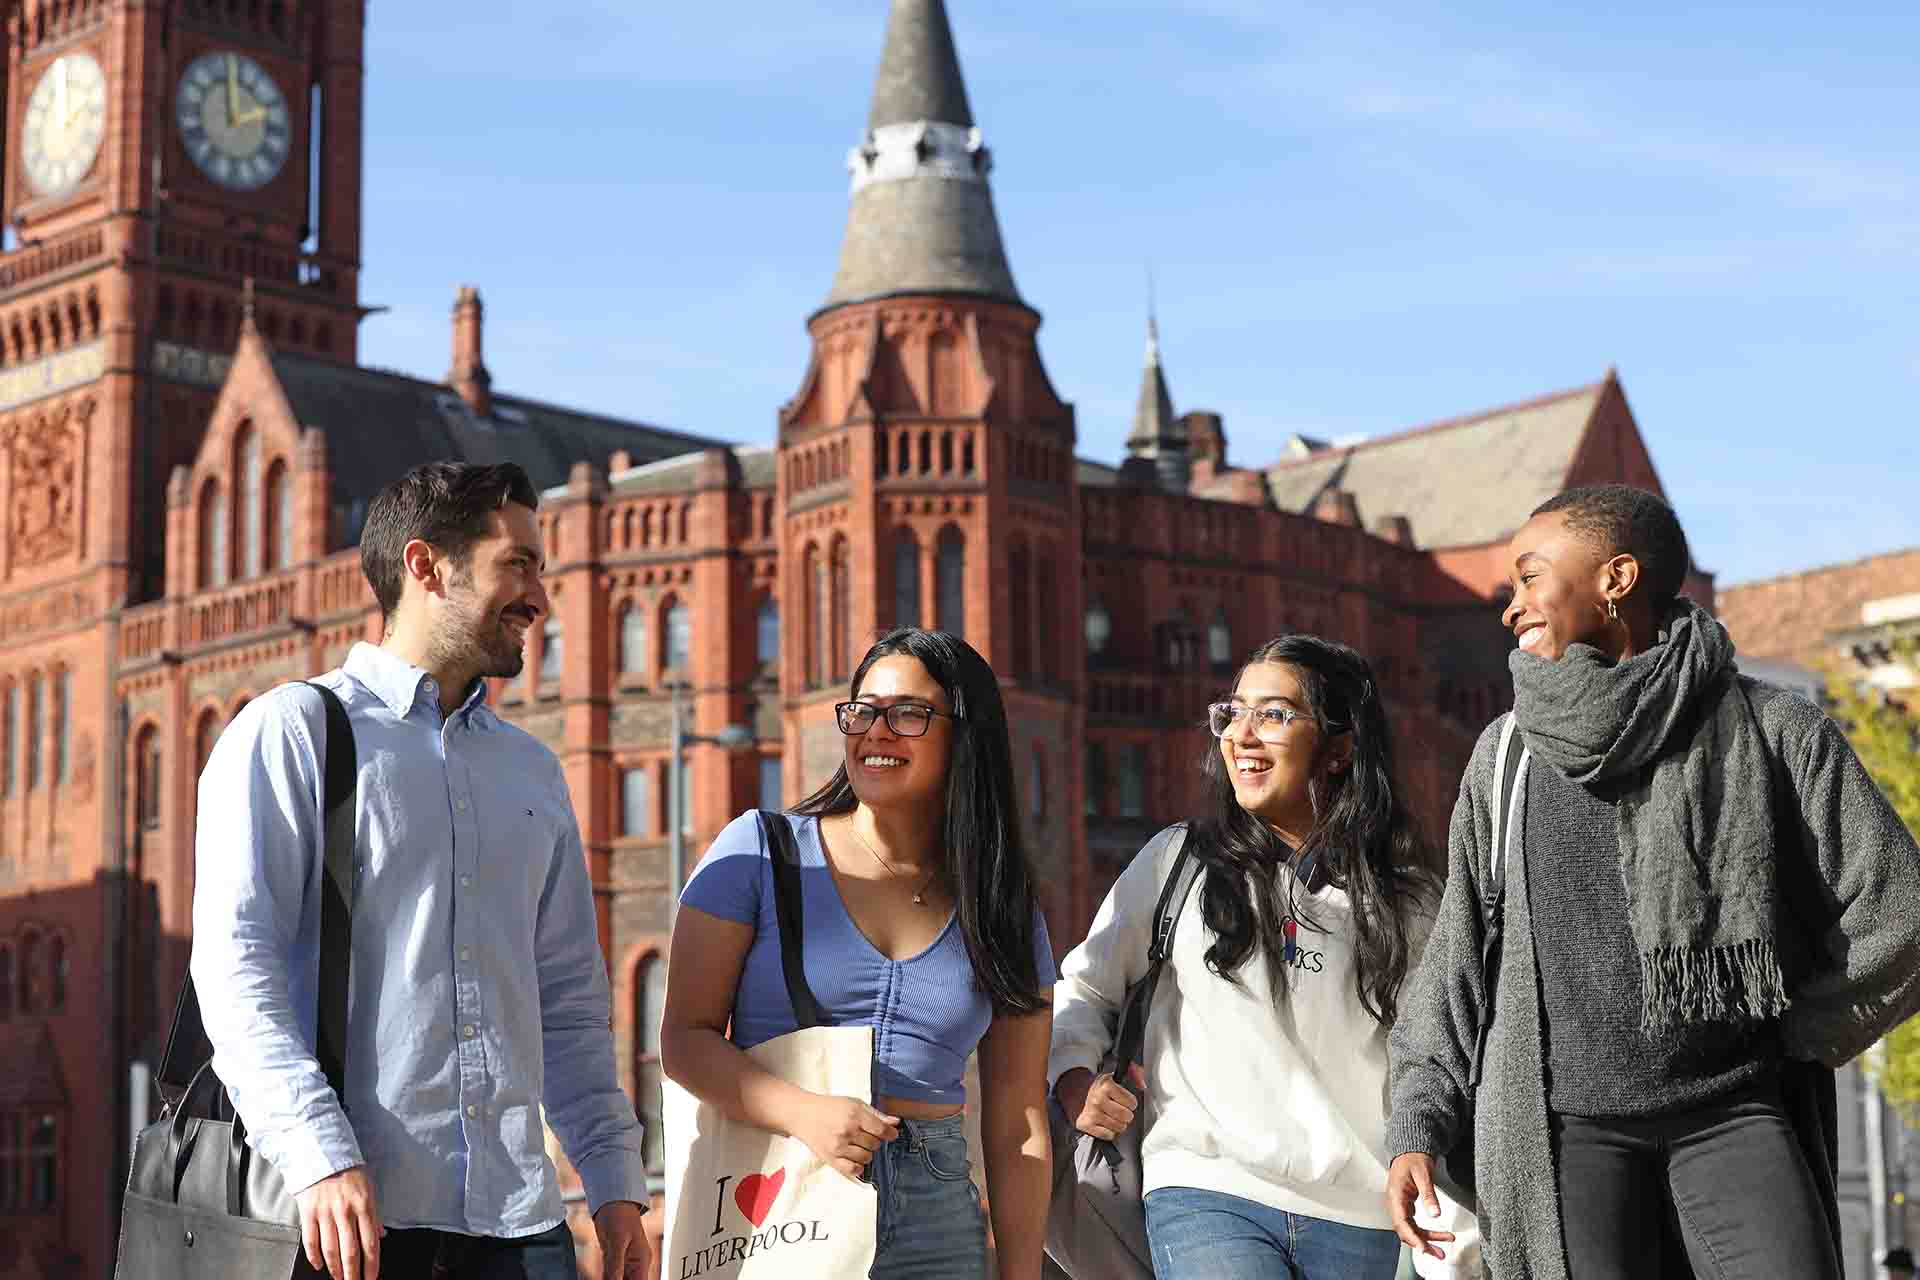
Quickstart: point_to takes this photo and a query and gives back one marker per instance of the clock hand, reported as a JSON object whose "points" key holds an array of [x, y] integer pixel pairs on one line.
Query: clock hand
{"points": [[233, 93]]}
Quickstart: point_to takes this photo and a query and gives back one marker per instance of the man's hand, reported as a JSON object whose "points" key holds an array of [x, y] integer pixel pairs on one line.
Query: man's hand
{"points": [[1409, 1178], [623, 1240], [340, 1225]]}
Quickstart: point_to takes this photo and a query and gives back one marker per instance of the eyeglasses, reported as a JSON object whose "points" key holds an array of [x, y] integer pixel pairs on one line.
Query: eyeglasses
{"points": [[907, 719], [1269, 723]]}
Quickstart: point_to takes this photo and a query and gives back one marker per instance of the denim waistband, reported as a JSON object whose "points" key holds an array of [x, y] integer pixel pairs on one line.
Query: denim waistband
{"points": [[914, 1133]]}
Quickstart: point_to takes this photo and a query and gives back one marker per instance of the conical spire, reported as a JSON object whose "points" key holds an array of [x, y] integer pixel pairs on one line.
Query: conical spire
{"points": [[922, 218], [1157, 434], [919, 72]]}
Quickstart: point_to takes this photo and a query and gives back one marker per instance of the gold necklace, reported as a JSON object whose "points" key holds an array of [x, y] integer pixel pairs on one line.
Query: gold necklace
{"points": [[919, 895]]}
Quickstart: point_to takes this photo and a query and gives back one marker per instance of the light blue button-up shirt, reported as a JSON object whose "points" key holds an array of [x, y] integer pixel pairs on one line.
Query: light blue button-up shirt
{"points": [[478, 988]]}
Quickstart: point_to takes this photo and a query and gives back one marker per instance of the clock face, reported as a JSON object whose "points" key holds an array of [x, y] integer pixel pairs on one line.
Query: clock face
{"points": [[233, 120], [66, 118]]}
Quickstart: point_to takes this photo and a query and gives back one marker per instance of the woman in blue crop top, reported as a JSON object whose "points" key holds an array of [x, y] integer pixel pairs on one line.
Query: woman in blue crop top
{"points": [[919, 921]]}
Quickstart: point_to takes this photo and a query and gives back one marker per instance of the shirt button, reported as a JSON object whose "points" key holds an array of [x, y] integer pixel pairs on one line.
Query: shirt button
{"points": [[467, 1031], [461, 805], [472, 1110], [466, 954], [466, 882]]}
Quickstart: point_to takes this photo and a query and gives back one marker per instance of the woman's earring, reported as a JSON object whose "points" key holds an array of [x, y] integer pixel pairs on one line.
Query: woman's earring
{"points": [[1613, 610]]}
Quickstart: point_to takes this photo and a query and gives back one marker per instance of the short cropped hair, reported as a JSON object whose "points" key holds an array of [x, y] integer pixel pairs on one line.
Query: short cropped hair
{"points": [[1623, 519], [444, 503]]}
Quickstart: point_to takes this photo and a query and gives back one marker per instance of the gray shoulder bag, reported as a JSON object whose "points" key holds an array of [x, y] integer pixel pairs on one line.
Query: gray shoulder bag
{"points": [[1096, 1223], [200, 1204]]}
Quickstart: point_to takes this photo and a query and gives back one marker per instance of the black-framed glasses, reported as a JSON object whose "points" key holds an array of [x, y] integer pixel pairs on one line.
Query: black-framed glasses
{"points": [[1269, 723], [907, 719]]}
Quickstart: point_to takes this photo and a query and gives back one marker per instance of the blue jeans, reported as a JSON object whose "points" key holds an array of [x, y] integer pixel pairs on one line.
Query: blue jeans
{"points": [[930, 1226], [420, 1254], [1207, 1235]]}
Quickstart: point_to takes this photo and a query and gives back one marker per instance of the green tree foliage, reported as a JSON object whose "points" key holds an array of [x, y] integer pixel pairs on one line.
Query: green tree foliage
{"points": [[1885, 731]]}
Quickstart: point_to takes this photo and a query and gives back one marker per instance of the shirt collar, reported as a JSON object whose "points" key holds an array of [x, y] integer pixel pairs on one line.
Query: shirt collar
{"points": [[401, 685]]}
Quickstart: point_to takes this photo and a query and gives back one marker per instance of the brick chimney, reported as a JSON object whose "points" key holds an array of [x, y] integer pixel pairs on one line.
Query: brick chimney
{"points": [[1337, 506], [468, 376]]}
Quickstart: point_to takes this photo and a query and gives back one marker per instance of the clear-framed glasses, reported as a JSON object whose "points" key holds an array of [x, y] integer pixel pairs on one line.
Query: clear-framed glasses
{"points": [[907, 719], [1269, 722]]}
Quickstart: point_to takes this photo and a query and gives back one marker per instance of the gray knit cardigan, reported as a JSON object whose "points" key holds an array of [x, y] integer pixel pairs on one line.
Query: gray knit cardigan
{"points": [[1849, 895]]}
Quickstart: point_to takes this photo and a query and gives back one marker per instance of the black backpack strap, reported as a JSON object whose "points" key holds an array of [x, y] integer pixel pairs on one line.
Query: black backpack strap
{"points": [[1130, 1037], [789, 908], [341, 773], [1507, 763], [187, 1046]]}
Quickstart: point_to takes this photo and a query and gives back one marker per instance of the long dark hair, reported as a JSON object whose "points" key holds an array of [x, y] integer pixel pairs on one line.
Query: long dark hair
{"points": [[984, 861], [1362, 841]]}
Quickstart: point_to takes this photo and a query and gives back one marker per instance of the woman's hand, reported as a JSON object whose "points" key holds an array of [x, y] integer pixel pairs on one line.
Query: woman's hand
{"points": [[1409, 1191], [843, 1132], [1099, 1105]]}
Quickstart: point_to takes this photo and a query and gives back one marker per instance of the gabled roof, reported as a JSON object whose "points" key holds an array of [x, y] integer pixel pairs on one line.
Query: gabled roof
{"points": [[1463, 482], [30, 1072], [378, 424]]}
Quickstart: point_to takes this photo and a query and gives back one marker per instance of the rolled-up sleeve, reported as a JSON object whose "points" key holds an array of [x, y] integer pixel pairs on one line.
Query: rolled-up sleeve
{"points": [[257, 867], [592, 1117]]}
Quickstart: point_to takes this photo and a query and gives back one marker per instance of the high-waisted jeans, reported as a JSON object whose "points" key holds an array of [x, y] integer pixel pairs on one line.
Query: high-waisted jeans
{"points": [[1209, 1235], [1728, 1177], [930, 1224]]}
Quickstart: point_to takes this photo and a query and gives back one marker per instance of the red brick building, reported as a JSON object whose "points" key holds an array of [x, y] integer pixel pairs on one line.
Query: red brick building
{"points": [[190, 445], [1858, 620]]}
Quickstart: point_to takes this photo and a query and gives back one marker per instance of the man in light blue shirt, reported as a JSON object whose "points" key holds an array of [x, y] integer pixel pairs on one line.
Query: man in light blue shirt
{"points": [[478, 992]]}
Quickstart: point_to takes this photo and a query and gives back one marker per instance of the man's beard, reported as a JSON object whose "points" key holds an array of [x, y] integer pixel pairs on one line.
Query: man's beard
{"points": [[470, 637]]}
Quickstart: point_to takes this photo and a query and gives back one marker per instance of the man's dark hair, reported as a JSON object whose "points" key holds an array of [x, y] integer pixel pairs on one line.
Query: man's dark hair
{"points": [[1621, 518], [444, 503]]}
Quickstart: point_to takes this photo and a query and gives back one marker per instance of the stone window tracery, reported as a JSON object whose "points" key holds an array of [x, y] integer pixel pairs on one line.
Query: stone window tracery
{"points": [[279, 518], [252, 500], [906, 580], [950, 582]]}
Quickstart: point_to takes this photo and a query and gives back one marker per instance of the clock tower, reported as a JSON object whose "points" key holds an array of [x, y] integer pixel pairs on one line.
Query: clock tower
{"points": [[159, 157]]}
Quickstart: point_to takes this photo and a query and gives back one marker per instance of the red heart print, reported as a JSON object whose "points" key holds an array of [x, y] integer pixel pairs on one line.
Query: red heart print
{"points": [[757, 1192]]}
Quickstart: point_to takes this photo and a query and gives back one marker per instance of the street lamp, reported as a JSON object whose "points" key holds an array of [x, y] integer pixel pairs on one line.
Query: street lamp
{"points": [[735, 737]]}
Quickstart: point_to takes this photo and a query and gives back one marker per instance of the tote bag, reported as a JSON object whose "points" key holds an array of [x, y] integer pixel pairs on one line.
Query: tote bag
{"points": [[747, 1204], [200, 1205], [1096, 1223]]}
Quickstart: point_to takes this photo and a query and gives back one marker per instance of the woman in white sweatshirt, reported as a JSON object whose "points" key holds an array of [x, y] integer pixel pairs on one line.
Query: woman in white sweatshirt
{"points": [[1265, 1063]]}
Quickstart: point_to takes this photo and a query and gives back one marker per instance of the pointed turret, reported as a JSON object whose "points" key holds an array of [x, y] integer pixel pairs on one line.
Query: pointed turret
{"points": [[922, 219], [1157, 434]]}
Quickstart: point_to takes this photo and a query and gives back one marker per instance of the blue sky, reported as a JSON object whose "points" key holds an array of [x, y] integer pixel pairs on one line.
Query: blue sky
{"points": [[1360, 218]]}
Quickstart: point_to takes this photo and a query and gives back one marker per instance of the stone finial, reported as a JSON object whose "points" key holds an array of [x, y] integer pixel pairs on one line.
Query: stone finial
{"points": [[469, 377]]}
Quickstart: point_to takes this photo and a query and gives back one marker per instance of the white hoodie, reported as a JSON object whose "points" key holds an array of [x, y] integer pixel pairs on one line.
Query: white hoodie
{"points": [[1284, 1105]]}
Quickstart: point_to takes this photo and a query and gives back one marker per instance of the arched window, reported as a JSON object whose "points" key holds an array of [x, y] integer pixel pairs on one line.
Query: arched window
{"points": [[1220, 641], [950, 582], [771, 787], [6, 1006], [813, 574], [766, 626], [62, 725], [252, 502], [213, 536], [636, 802], [28, 979], [1096, 780], [1045, 648], [1133, 780], [633, 640], [36, 727], [1099, 628], [9, 739], [56, 974], [1019, 586], [146, 780], [43, 1162], [679, 637], [1038, 786], [552, 658], [906, 579], [279, 518], [649, 999], [204, 736], [842, 610]]}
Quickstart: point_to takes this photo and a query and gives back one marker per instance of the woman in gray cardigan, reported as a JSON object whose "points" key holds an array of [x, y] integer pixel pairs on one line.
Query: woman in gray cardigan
{"points": [[1707, 904]]}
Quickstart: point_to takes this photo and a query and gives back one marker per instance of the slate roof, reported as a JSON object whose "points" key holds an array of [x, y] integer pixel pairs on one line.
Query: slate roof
{"points": [[919, 71], [1464, 482], [758, 464], [1153, 422], [378, 424]]}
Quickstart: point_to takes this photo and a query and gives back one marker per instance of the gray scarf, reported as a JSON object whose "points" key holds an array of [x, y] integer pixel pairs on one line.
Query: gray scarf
{"points": [[1671, 727]]}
